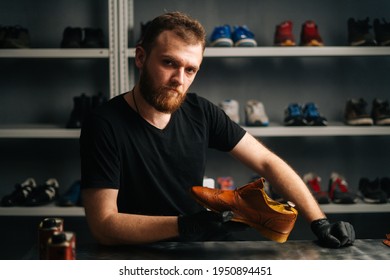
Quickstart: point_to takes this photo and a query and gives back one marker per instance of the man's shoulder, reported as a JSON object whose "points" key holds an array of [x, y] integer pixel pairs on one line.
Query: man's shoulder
{"points": [[195, 99]]}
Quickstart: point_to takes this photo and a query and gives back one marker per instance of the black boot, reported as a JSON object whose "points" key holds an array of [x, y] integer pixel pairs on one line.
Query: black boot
{"points": [[81, 108]]}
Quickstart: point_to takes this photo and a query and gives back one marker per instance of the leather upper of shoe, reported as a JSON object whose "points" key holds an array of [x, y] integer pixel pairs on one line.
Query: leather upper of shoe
{"points": [[250, 204]]}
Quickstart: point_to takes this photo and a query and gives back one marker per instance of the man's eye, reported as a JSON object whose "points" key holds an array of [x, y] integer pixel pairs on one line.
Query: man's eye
{"points": [[168, 62], [191, 71]]}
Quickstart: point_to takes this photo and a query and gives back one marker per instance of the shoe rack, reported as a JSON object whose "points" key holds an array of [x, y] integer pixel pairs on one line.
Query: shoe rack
{"points": [[262, 17], [274, 75], [33, 136]]}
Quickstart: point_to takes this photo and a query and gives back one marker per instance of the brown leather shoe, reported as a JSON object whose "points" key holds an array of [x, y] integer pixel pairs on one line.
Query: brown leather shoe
{"points": [[252, 206]]}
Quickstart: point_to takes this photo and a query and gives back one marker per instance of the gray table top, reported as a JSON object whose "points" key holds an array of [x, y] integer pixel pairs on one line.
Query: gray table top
{"points": [[363, 249]]}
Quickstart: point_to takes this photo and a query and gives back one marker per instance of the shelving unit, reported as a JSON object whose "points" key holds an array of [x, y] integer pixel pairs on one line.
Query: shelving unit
{"points": [[70, 58], [121, 25]]}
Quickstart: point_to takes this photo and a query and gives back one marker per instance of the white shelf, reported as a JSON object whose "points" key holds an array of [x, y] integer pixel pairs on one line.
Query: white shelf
{"points": [[54, 53], [331, 130], [62, 133], [42, 211], [270, 131], [290, 51], [355, 208]]}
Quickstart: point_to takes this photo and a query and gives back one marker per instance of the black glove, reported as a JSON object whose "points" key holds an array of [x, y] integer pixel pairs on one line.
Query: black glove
{"points": [[333, 235], [207, 225]]}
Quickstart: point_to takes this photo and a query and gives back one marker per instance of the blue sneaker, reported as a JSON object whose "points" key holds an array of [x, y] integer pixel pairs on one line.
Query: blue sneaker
{"points": [[293, 116], [312, 115], [243, 37], [221, 37]]}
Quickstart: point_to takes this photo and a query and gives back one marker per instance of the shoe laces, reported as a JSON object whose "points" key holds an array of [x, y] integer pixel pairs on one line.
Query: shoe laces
{"points": [[294, 110], [243, 32], [311, 110]]}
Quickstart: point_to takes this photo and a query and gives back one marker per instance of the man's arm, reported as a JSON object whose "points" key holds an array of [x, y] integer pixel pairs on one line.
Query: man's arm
{"points": [[110, 227], [279, 174]]}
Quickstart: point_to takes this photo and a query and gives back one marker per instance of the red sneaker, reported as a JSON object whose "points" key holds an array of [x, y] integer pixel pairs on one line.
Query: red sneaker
{"points": [[283, 34], [310, 35]]}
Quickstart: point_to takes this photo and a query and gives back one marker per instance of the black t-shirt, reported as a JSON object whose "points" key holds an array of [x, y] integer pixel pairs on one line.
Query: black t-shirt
{"points": [[152, 168]]}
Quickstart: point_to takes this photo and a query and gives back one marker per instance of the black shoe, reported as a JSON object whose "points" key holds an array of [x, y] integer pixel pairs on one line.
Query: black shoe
{"points": [[81, 109], [380, 112], [21, 193], [382, 32], [15, 37], [371, 191], [359, 33], [72, 37], [44, 194], [93, 38], [385, 186], [356, 113]]}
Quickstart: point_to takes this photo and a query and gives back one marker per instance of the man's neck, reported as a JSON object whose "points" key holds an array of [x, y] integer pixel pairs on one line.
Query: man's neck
{"points": [[146, 111]]}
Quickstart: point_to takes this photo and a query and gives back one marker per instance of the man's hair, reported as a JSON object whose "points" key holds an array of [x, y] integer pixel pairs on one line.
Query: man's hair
{"points": [[187, 28]]}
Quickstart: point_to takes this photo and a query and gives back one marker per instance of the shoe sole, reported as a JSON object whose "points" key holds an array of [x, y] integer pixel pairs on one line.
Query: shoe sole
{"points": [[222, 42], [360, 121], [287, 43], [246, 43]]}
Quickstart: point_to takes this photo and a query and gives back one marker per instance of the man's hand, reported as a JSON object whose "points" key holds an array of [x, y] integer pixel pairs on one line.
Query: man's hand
{"points": [[335, 235], [207, 225]]}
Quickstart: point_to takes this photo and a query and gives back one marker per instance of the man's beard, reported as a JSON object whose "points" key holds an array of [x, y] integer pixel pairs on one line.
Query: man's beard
{"points": [[164, 99]]}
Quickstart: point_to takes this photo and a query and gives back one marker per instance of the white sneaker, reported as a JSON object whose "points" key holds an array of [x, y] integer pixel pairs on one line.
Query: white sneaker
{"points": [[255, 114], [231, 108]]}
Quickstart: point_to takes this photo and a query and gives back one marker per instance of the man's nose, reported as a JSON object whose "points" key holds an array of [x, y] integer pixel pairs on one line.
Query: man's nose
{"points": [[178, 76]]}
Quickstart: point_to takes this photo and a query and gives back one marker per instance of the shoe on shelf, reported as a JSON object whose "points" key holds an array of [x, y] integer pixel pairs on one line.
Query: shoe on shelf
{"points": [[356, 113], [93, 38], [21, 193], [221, 37], [72, 197], [313, 182], [310, 35], [371, 191], [44, 194], [252, 206], [82, 106], [232, 108], [338, 190], [255, 114], [313, 116], [15, 37], [284, 35], [293, 115], [385, 186], [380, 112], [359, 33], [226, 183], [243, 37], [382, 32], [72, 37]]}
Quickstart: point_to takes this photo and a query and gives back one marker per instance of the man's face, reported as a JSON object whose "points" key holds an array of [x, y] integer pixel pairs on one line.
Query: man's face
{"points": [[168, 71]]}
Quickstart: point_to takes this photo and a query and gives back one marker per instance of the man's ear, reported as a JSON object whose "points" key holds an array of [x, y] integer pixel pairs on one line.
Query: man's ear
{"points": [[140, 56]]}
